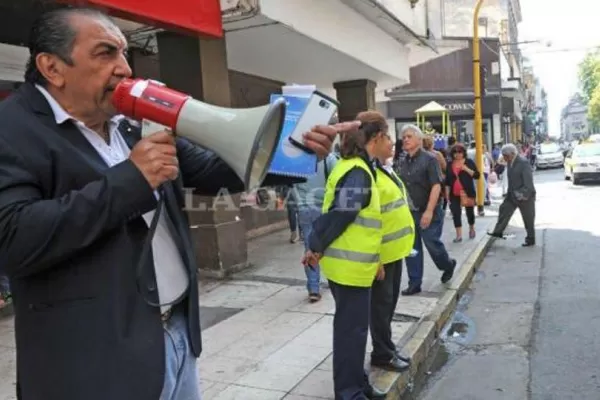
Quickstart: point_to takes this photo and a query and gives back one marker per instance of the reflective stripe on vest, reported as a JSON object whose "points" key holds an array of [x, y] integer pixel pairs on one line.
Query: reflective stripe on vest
{"points": [[353, 258], [368, 222], [393, 205], [351, 255], [388, 237], [398, 232]]}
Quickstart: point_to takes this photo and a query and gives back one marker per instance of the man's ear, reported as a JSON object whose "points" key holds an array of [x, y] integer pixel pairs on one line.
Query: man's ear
{"points": [[52, 68]]}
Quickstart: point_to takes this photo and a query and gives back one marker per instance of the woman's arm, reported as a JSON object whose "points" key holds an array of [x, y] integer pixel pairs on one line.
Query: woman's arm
{"points": [[473, 171], [352, 195], [441, 160]]}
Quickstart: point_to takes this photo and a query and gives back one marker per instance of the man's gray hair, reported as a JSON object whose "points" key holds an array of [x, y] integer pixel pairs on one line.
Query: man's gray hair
{"points": [[415, 129], [509, 150]]}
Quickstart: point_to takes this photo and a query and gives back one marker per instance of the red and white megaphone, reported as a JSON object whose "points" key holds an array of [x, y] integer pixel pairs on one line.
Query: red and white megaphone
{"points": [[246, 139]]}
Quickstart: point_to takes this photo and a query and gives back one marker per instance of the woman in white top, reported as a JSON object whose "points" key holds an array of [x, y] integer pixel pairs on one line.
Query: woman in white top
{"points": [[504, 176], [488, 162]]}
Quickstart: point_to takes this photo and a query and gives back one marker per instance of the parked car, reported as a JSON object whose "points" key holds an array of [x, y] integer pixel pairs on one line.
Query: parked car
{"points": [[550, 156], [583, 163]]}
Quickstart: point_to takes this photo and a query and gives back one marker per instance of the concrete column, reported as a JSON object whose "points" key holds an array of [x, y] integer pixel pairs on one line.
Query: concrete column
{"points": [[355, 96], [196, 66], [199, 67], [144, 64]]}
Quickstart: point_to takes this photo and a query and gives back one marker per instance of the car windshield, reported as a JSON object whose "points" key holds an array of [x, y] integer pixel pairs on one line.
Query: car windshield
{"points": [[587, 150], [549, 148]]}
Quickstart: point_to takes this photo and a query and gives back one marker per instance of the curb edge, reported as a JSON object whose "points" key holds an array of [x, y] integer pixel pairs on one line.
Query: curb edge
{"points": [[429, 327]]}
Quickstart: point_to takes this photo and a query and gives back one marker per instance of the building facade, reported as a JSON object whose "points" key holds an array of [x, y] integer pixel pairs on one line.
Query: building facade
{"points": [[574, 122], [236, 53], [535, 107], [448, 79]]}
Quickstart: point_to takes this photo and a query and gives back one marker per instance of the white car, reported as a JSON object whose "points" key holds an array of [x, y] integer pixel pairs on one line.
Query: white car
{"points": [[583, 163], [550, 156]]}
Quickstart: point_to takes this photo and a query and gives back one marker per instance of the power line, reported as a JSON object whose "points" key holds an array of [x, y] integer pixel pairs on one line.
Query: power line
{"points": [[527, 52], [563, 50]]}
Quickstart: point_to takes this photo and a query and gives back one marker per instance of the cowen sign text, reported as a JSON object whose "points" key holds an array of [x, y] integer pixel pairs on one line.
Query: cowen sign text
{"points": [[459, 106]]}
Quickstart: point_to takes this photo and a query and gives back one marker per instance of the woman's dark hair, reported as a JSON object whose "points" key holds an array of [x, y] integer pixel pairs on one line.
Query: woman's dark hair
{"points": [[353, 143], [458, 148], [451, 141]]}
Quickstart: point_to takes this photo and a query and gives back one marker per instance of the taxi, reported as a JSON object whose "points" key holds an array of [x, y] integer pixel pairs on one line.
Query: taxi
{"points": [[582, 163]]}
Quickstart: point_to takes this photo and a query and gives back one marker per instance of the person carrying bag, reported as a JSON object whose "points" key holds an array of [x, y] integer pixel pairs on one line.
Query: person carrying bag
{"points": [[460, 188]]}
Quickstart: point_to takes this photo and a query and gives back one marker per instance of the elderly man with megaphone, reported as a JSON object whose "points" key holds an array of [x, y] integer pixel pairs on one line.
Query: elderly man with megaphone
{"points": [[102, 309]]}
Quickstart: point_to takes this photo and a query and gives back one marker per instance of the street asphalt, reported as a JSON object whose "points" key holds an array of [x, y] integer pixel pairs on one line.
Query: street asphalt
{"points": [[528, 328]]}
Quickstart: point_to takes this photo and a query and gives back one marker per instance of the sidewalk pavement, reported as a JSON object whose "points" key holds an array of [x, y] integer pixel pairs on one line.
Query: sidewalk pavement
{"points": [[276, 345], [263, 340]]}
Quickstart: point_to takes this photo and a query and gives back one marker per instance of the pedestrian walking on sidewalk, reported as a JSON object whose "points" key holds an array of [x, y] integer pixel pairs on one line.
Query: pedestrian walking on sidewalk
{"points": [[521, 194], [398, 236], [460, 189], [451, 142], [420, 172], [309, 196], [79, 190], [287, 195], [346, 241], [488, 163]]}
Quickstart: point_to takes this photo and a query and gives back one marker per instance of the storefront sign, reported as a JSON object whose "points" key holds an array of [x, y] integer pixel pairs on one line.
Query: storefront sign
{"points": [[460, 106], [405, 109], [197, 17]]}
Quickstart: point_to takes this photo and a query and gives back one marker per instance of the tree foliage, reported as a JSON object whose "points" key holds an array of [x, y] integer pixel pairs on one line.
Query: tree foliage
{"points": [[589, 74], [589, 82], [594, 106]]}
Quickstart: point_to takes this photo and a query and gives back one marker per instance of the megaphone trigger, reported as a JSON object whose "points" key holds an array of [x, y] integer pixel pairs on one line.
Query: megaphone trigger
{"points": [[149, 128]]}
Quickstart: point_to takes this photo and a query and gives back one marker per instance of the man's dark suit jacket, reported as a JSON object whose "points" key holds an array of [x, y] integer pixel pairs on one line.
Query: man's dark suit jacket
{"points": [[71, 231], [520, 180]]}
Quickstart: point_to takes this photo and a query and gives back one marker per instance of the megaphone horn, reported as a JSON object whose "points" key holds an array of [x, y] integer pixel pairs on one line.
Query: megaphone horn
{"points": [[246, 139]]}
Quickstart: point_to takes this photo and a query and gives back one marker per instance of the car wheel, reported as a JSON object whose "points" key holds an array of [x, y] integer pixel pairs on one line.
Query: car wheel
{"points": [[576, 180]]}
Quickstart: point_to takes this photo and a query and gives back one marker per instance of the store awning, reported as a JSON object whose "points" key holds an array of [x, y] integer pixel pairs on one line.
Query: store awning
{"points": [[197, 17], [431, 107]]}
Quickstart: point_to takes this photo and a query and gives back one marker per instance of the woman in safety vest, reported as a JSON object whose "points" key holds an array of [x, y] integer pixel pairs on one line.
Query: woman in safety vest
{"points": [[398, 237], [346, 242]]}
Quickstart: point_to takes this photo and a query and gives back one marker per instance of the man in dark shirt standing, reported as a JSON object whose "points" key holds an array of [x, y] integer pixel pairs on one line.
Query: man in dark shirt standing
{"points": [[420, 171]]}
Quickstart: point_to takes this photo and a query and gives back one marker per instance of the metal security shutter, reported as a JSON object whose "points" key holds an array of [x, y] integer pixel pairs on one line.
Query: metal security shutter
{"points": [[12, 62]]}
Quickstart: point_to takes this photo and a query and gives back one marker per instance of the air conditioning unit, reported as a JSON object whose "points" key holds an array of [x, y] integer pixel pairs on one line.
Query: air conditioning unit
{"points": [[238, 6]]}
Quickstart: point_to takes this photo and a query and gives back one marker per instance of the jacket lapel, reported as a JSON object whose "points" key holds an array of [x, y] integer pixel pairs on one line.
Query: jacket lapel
{"points": [[67, 130], [130, 133]]}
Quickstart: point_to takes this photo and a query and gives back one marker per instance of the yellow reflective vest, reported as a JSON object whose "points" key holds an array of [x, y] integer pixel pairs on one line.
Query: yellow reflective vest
{"points": [[353, 258], [398, 232]]}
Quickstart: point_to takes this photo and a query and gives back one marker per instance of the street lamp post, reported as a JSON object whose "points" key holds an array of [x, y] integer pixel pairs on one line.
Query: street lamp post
{"points": [[505, 128], [478, 122]]}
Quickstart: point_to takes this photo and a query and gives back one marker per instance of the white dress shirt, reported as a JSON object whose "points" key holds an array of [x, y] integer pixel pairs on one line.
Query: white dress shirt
{"points": [[172, 278]]}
